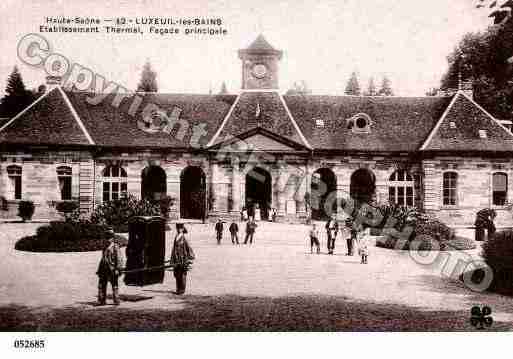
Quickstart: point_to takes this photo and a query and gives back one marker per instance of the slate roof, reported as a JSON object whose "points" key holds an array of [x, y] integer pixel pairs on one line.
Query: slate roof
{"points": [[398, 123], [402, 124], [260, 46], [111, 126], [467, 120], [49, 120], [259, 109]]}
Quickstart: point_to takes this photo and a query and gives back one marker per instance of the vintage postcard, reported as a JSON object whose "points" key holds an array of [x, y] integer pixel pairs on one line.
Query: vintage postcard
{"points": [[255, 166]]}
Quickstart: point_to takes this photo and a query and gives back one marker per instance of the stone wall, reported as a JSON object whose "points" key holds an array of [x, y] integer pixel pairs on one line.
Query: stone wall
{"points": [[39, 180], [474, 189]]}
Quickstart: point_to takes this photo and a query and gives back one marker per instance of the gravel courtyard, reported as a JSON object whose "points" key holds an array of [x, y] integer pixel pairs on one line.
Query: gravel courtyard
{"points": [[275, 284]]}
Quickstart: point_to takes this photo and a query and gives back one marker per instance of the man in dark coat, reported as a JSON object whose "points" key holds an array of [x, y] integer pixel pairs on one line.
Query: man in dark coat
{"points": [[250, 231], [234, 231], [219, 230], [109, 270], [331, 231]]}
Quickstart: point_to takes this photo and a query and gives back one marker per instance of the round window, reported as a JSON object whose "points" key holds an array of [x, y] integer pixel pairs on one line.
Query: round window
{"points": [[361, 122]]}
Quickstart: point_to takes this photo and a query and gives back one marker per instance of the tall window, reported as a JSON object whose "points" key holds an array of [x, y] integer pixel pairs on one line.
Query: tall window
{"points": [[114, 183], [64, 177], [450, 188], [14, 173], [401, 188], [499, 189]]}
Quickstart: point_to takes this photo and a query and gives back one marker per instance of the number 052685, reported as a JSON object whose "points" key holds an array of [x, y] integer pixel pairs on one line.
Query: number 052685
{"points": [[29, 344]]}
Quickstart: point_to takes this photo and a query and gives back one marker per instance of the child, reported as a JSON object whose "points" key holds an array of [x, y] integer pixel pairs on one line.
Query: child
{"points": [[363, 244], [314, 239]]}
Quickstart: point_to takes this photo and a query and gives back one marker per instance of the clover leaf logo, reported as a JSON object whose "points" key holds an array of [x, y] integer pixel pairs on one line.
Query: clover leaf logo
{"points": [[481, 317]]}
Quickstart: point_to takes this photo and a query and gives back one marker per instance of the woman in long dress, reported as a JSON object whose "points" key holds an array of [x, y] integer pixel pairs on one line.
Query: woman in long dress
{"points": [[182, 256]]}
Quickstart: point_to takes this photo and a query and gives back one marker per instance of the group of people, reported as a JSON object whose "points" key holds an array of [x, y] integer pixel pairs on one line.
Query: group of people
{"points": [[251, 226], [359, 237], [182, 255], [254, 212], [111, 265]]}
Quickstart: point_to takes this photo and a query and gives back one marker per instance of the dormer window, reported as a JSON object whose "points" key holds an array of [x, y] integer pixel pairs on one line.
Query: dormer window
{"points": [[319, 123], [483, 134], [452, 124], [360, 123]]}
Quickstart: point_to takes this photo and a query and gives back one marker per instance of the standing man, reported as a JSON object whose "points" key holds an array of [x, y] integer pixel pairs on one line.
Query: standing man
{"points": [[109, 270], [331, 231], [250, 231], [219, 230], [234, 232]]}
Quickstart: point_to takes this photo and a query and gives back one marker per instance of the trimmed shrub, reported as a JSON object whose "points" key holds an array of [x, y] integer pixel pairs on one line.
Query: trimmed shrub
{"points": [[68, 237], [428, 226], [26, 210], [165, 205], [117, 213], [426, 244], [498, 254], [70, 210]]}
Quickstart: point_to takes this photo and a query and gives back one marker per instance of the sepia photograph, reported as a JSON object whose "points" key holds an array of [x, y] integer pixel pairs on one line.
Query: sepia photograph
{"points": [[272, 166]]}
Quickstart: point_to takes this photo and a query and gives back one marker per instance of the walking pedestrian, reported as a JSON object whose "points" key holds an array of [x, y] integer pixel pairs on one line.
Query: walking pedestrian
{"points": [[250, 231], [331, 231], [234, 232], [109, 271], [219, 230], [182, 256], [352, 235], [314, 239]]}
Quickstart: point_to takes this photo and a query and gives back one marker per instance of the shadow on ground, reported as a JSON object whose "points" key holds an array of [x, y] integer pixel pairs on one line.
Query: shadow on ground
{"points": [[235, 313]]}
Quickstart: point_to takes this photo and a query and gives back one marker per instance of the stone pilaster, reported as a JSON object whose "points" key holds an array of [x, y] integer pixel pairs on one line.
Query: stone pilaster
{"points": [[236, 186]]}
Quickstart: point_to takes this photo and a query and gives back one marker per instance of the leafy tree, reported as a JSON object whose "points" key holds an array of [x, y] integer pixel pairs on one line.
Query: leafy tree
{"points": [[148, 82], [386, 87], [485, 59], [353, 86], [371, 88], [224, 90], [432, 91], [499, 10], [299, 88], [17, 97]]}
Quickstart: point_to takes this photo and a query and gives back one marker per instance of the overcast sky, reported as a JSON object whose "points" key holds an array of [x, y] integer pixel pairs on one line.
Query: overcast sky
{"points": [[323, 41]]}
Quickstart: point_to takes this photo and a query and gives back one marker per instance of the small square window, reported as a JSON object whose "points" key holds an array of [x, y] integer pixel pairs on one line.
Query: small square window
{"points": [[452, 124], [483, 134], [319, 123]]}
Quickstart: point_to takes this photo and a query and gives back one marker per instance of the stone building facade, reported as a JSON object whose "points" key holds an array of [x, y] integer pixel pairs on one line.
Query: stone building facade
{"points": [[215, 154]]}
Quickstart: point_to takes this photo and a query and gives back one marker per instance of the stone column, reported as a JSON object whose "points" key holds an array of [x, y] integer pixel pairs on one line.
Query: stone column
{"points": [[236, 186], [281, 183], [306, 180]]}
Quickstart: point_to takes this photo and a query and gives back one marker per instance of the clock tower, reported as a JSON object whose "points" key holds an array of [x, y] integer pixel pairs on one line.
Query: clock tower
{"points": [[260, 65]]}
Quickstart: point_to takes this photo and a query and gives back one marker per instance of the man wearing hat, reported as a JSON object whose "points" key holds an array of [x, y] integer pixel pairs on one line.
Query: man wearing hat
{"points": [[109, 270]]}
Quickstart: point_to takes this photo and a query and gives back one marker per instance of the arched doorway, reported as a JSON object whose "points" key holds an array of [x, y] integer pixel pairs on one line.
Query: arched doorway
{"points": [[153, 183], [193, 191], [363, 185], [323, 188], [259, 191]]}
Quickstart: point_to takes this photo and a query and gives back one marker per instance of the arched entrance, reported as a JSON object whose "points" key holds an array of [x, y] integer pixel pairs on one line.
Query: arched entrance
{"points": [[363, 185], [193, 191], [259, 191], [153, 183], [323, 188]]}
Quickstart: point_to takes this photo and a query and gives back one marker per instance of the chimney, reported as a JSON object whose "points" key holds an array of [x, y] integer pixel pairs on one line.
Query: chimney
{"points": [[52, 82]]}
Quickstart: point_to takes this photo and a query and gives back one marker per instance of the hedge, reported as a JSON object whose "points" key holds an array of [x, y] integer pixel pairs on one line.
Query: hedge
{"points": [[498, 254], [68, 237]]}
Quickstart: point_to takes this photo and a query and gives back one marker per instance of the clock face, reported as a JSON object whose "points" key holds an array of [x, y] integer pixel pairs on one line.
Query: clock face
{"points": [[259, 71]]}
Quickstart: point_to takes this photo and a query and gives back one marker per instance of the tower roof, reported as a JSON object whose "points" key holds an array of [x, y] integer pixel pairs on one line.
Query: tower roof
{"points": [[260, 46]]}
